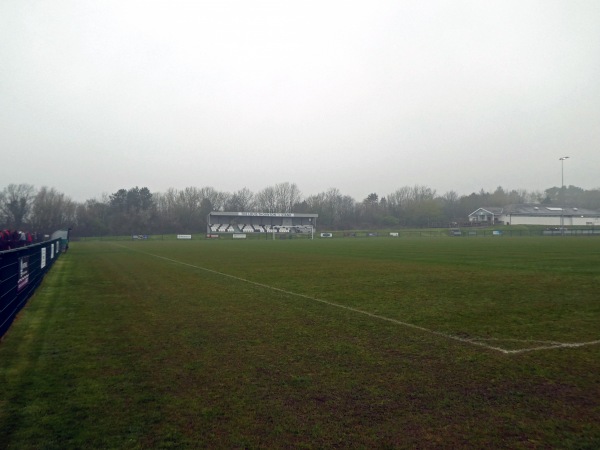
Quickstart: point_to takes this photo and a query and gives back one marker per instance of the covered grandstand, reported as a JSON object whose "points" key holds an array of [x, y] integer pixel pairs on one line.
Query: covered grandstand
{"points": [[258, 222]]}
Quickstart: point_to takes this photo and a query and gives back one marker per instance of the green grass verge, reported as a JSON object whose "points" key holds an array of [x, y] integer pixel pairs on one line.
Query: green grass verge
{"points": [[122, 348]]}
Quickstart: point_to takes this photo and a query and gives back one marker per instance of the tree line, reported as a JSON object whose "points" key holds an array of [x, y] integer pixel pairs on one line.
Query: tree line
{"points": [[139, 211]]}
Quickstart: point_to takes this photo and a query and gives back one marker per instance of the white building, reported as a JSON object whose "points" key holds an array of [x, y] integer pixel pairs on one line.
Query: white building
{"points": [[535, 214]]}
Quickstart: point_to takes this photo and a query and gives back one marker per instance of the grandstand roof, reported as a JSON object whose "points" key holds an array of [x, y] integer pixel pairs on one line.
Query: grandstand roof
{"points": [[261, 214]]}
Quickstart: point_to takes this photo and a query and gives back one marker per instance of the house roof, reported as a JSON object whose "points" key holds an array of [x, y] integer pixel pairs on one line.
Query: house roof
{"points": [[548, 210], [535, 209], [496, 211]]}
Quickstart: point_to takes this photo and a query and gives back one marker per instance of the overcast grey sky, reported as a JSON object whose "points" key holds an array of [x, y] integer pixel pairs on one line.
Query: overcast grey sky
{"points": [[363, 96]]}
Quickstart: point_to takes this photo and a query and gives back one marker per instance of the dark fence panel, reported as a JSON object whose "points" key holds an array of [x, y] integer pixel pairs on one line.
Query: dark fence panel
{"points": [[21, 272]]}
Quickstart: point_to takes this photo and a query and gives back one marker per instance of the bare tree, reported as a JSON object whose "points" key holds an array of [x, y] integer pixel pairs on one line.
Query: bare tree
{"points": [[216, 198], [15, 204], [398, 200], [93, 218], [287, 196], [166, 210], [242, 200], [370, 210], [279, 198], [335, 210], [415, 205], [187, 208], [52, 210], [450, 206], [266, 200]]}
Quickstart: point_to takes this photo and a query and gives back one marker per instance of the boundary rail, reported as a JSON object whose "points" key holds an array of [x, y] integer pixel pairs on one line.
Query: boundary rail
{"points": [[21, 272], [390, 233]]}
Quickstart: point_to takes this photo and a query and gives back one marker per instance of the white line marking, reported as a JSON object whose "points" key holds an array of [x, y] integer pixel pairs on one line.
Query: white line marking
{"points": [[472, 341]]}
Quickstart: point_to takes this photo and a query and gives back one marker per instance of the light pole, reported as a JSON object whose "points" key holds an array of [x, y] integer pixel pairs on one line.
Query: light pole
{"points": [[562, 190]]}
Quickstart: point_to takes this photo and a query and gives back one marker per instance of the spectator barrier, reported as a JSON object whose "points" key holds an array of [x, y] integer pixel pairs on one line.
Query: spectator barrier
{"points": [[21, 272]]}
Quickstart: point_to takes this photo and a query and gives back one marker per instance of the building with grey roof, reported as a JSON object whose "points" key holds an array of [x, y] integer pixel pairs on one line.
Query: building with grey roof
{"points": [[536, 214]]}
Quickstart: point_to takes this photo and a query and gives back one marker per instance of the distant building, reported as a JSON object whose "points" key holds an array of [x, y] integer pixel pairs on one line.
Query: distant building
{"points": [[488, 215], [535, 214]]}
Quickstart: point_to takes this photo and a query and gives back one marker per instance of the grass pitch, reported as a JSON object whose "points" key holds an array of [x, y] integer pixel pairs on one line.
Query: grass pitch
{"points": [[364, 343]]}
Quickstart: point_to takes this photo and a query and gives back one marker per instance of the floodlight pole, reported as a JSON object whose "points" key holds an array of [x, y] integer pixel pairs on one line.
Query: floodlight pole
{"points": [[562, 190]]}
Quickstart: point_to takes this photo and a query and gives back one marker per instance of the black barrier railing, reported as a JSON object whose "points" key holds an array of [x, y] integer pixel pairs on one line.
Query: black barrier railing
{"points": [[21, 272]]}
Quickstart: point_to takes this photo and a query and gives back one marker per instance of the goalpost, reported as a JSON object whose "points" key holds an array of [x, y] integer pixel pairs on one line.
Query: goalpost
{"points": [[303, 231], [294, 231]]}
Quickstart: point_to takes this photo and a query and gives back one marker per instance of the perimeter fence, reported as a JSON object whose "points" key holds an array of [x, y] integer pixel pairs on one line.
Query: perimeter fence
{"points": [[402, 233], [21, 272]]}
